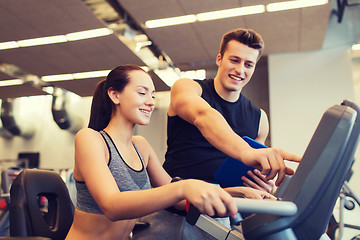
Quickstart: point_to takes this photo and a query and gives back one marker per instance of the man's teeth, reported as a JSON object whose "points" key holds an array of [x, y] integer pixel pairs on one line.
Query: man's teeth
{"points": [[236, 78], [145, 111]]}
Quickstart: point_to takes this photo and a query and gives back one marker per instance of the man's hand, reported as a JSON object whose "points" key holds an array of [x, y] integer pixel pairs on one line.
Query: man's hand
{"points": [[259, 182], [270, 161]]}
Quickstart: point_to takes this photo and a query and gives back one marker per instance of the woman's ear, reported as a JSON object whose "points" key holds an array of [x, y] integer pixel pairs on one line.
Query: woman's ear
{"points": [[113, 95]]}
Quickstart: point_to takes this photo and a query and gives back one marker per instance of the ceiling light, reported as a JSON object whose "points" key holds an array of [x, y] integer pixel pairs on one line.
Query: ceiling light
{"points": [[56, 39], [194, 74], [58, 77], [168, 76], [141, 38], [279, 6], [234, 12], [48, 89], [140, 45], [93, 74], [11, 82], [8, 45], [73, 76], [170, 21], [42, 41], [356, 47], [88, 34]]}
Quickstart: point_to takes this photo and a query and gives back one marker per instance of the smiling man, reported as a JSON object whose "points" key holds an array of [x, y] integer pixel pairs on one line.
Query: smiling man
{"points": [[207, 119]]}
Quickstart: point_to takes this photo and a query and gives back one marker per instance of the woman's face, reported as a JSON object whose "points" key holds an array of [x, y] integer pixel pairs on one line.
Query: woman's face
{"points": [[136, 101]]}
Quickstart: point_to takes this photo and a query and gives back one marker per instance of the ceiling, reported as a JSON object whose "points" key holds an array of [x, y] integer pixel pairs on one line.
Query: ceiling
{"points": [[187, 46]]}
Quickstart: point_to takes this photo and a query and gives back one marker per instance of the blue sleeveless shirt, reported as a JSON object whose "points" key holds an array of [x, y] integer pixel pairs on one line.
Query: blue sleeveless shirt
{"points": [[189, 154], [126, 178]]}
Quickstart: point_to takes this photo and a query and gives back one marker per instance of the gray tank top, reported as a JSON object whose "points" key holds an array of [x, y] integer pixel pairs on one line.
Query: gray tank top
{"points": [[126, 178]]}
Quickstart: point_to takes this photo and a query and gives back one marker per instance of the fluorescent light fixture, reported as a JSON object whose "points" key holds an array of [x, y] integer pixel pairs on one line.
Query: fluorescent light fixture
{"points": [[42, 41], [194, 74], [59, 77], [8, 45], [234, 12], [170, 21], [64, 77], [92, 74], [168, 76], [93, 33], [141, 38], [73, 76], [140, 45], [48, 89], [11, 82], [279, 6], [356, 47], [56, 39]]}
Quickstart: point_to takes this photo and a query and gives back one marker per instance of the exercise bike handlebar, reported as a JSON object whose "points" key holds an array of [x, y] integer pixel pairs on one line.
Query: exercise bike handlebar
{"points": [[266, 206]]}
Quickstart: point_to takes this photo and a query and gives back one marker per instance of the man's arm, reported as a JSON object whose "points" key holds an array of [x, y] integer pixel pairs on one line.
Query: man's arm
{"points": [[259, 180], [186, 102], [263, 128]]}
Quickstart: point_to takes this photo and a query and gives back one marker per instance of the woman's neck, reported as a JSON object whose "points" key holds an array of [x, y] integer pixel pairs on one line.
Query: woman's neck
{"points": [[120, 130]]}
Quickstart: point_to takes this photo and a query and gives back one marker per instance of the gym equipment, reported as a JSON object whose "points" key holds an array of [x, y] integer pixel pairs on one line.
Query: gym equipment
{"points": [[13, 125], [61, 115], [52, 218], [314, 188]]}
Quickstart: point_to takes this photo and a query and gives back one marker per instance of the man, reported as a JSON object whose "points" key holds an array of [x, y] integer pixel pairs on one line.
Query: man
{"points": [[207, 119]]}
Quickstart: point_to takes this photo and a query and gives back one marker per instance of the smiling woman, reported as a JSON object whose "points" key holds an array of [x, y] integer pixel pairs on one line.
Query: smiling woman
{"points": [[117, 175]]}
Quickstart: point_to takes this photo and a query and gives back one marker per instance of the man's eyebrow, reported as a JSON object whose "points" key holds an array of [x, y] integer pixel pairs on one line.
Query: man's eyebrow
{"points": [[237, 57]]}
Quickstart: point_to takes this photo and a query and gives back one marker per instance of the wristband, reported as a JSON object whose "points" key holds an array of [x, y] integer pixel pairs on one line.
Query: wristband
{"points": [[175, 179]]}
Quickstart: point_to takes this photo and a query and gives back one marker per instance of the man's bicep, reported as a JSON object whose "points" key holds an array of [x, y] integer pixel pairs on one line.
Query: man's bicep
{"points": [[186, 101]]}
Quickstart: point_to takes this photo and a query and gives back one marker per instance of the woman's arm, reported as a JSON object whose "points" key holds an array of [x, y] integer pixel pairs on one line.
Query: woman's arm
{"points": [[248, 193], [91, 165]]}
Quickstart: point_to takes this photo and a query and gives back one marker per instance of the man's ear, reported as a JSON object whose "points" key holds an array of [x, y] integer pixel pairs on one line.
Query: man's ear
{"points": [[113, 95], [218, 59]]}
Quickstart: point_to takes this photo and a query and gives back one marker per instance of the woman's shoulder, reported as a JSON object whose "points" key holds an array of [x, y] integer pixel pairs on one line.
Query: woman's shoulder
{"points": [[139, 140], [87, 133], [142, 144]]}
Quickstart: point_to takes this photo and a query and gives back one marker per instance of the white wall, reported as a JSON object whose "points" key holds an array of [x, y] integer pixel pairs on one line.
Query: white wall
{"points": [[302, 86], [56, 146]]}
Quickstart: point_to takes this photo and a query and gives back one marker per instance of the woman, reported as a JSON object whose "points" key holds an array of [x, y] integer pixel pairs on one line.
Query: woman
{"points": [[118, 176]]}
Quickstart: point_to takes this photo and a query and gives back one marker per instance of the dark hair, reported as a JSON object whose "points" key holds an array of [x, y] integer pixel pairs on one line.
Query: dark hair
{"points": [[102, 106], [245, 36]]}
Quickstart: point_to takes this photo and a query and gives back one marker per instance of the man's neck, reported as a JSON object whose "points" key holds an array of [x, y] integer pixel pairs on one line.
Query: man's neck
{"points": [[230, 96]]}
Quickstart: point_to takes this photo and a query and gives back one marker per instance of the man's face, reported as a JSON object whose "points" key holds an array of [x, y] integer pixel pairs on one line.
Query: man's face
{"points": [[236, 66]]}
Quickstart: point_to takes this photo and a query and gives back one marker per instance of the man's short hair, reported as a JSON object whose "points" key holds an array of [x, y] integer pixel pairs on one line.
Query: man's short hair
{"points": [[245, 36]]}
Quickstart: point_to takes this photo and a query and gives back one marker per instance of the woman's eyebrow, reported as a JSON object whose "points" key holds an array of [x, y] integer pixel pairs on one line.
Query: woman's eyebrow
{"points": [[146, 88]]}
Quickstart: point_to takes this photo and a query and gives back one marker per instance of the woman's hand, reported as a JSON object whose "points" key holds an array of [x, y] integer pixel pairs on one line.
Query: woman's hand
{"points": [[208, 198], [248, 192], [259, 182]]}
